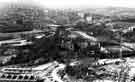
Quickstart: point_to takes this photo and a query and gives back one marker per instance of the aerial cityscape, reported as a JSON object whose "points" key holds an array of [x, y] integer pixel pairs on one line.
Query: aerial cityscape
{"points": [[44, 44]]}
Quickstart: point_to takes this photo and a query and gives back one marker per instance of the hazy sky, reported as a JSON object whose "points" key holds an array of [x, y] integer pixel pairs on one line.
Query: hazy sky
{"points": [[78, 3]]}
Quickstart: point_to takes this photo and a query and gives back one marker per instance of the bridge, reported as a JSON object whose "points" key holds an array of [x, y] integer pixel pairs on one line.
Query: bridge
{"points": [[36, 74], [18, 77]]}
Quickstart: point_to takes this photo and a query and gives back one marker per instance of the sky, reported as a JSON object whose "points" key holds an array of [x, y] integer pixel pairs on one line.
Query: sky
{"points": [[77, 3]]}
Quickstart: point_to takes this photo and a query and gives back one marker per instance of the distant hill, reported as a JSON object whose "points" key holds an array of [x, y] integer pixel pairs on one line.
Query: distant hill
{"points": [[111, 11], [114, 12]]}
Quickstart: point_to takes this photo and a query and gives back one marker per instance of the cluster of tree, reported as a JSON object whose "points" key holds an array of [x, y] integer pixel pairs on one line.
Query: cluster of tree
{"points": [[55, 48]]}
